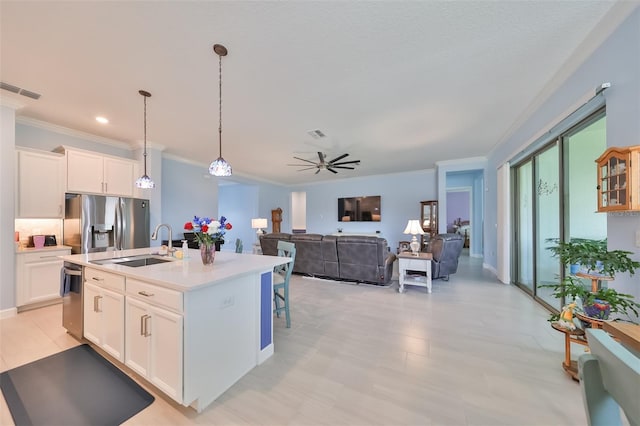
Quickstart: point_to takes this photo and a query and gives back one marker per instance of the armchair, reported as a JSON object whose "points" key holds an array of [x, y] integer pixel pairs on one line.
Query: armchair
{"points": [[445, 249]]}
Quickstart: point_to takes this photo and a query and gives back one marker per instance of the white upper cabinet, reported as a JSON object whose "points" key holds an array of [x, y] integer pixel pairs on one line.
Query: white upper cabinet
{"points": [[95, 173], [39, 184]]}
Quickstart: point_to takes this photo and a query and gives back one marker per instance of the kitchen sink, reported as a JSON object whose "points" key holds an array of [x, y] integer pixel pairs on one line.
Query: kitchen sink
{"points": [[133, 261]]}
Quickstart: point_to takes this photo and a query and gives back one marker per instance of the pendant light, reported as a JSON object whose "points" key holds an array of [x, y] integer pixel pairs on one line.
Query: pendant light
{"points": [[219, 167], [145, 181]]}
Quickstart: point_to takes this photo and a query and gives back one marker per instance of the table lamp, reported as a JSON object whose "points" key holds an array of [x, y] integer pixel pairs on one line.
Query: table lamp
{"points": [[414, 228], [258, 224]]}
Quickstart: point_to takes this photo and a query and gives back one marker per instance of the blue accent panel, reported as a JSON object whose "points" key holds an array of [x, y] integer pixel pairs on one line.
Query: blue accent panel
{"points": [[266, 312]]}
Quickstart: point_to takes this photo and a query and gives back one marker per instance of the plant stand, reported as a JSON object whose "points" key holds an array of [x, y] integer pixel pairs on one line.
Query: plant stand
{"points": [[594, 279], [575, 336]]}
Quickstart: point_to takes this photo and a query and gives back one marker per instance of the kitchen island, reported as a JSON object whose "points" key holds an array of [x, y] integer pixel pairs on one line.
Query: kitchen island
{"points": [[189, 329]]}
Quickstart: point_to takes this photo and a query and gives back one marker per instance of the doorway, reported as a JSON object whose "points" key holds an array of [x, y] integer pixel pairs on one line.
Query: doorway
{"points": [[459, 212]]}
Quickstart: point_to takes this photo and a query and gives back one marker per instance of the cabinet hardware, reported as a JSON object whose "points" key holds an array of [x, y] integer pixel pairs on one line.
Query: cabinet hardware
{"points": [[144, 293], [97, 279], [96, 303], [147, 333], [59, 208], [105, 187], [142, 325]]}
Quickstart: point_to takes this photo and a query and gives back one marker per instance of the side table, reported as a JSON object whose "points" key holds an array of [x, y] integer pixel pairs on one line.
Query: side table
{"points": [[421, 264]]}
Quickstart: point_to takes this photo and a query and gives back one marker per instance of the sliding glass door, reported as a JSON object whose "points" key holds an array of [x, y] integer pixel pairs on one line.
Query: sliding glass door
{"points": [[555, 199]]}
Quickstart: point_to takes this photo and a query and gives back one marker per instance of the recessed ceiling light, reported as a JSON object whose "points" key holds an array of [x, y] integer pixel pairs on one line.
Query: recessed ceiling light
{"points": [[102, 120]]}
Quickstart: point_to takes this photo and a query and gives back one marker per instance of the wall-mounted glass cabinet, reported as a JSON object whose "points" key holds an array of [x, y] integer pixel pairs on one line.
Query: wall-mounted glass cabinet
{"points": [[619, 179], [429, 221]]}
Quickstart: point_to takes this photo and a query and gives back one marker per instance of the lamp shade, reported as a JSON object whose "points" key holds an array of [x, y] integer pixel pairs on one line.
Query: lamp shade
{"points": [[258, 223], [413, 228]]}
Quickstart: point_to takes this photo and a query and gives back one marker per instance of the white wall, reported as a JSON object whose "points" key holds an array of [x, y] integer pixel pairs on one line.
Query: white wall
{"points": [[7, 210], [400, 193]]}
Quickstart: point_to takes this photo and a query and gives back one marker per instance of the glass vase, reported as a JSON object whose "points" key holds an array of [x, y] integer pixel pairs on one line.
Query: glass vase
{"points": [[207, 253]]}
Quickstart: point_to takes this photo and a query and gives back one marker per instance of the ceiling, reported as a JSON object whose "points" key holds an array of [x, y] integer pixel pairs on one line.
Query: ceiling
{"points": [[398, 85]]}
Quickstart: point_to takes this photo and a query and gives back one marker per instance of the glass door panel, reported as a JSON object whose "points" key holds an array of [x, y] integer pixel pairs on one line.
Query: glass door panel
{"points": [[547, 193], [524, 243]]}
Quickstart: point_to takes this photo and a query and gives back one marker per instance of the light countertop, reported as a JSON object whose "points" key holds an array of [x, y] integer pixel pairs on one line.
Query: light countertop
{"points": [[24, 250], [182, 274]]}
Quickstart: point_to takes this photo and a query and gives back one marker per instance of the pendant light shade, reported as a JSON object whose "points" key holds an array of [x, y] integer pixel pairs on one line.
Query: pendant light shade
{"points": [[144, 181], [220, 167]]}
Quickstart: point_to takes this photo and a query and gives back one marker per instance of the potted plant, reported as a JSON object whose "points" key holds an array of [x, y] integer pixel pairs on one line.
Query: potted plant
{"points": [[597, 305], [594, 259]]}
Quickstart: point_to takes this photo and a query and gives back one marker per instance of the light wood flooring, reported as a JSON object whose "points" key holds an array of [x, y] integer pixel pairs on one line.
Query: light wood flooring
{"points": [[474, 352]]}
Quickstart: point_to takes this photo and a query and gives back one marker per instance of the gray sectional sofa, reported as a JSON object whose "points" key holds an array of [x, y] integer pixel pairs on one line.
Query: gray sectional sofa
{"points": [[349, 257]]}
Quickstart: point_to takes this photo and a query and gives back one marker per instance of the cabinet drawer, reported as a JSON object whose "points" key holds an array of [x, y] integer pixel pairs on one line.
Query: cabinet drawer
{"points": [[43, 256], [415, 264], [155, 295], [104, 279]]}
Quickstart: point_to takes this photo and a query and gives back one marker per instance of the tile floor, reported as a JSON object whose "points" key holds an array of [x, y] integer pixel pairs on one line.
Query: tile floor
{"points": [[474, 352]]}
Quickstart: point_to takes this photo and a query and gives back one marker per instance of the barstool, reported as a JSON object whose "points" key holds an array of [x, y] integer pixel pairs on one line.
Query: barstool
{"points": [[281, 278]]}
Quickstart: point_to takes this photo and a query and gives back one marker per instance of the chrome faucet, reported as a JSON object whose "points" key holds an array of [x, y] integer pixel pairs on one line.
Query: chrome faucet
{"points": [[154, 236]]}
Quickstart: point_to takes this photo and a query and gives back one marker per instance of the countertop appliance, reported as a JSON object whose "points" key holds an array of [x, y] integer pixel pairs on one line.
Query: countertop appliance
{"points": [[72, 301], [95, 223], [49, 241]]}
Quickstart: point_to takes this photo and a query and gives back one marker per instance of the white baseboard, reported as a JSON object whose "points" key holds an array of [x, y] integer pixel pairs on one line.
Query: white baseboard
{"points": [[493, 270], [8, 313]]}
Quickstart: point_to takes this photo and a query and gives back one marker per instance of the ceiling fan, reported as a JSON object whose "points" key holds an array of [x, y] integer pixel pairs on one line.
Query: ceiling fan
{"points": [[326, 165]]}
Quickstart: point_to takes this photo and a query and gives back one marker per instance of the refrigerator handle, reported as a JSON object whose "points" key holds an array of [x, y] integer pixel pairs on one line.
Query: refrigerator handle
{"points": [[117, 228], [121, 225]]}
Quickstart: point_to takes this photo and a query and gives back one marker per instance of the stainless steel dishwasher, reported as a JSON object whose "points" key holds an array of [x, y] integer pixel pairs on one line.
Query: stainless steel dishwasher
{"points": [[72, 301]]}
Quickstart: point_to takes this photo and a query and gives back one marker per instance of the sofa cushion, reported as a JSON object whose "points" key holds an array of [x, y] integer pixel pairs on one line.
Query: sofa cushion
{"points": [[308, 254], [362, 258], [269, 242]]}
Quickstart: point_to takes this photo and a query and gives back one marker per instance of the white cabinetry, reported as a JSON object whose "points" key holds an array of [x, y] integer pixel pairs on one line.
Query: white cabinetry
{"points": [[39, 184], [95, 173], [154, 335], [104, 311], [38, 276]]}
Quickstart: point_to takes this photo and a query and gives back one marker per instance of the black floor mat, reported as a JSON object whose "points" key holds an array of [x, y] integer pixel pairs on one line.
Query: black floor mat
{"points": [[74, 387]]}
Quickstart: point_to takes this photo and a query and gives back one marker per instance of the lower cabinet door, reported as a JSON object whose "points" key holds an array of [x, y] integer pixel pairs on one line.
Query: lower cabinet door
{"points": [[92, 318], [136, 341], [166, 352], [104, 319], [154, 345], [112, 307], [43, 280]]}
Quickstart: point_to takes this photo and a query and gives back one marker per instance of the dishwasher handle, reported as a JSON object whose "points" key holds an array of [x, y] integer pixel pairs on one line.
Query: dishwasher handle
{"points": [[73, 272]]}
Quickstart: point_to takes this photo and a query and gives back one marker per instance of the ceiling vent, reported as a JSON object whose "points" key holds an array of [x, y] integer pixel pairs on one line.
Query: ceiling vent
{"points": [[23, 92], [316, 134]]}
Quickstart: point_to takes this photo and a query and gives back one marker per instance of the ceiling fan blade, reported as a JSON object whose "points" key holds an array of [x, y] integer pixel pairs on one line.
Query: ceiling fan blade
{"points": [[338, 158], [321, 156], [317, 171], [346, 162], [331, 170], [308, 168], [344, 167], [302, 159]]}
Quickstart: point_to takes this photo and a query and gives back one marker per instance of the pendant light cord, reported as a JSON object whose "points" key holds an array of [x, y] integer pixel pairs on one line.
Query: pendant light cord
{"points": [[220, 104], [145, 136]]}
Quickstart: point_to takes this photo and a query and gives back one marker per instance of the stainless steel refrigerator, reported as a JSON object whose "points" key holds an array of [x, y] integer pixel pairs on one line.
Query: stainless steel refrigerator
{"points": [[95, 223]]}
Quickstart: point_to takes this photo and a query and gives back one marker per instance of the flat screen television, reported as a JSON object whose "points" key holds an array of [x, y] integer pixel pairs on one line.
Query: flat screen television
{"points": [[359, 209]]}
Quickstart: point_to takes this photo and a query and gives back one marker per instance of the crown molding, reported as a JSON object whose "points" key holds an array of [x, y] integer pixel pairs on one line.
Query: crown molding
{"points": [[463, 162], [72, 132], [244, 177], [156, 146]]}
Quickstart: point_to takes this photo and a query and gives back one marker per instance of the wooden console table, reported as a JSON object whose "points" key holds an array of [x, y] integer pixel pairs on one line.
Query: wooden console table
{"points": [[627, 333]]}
